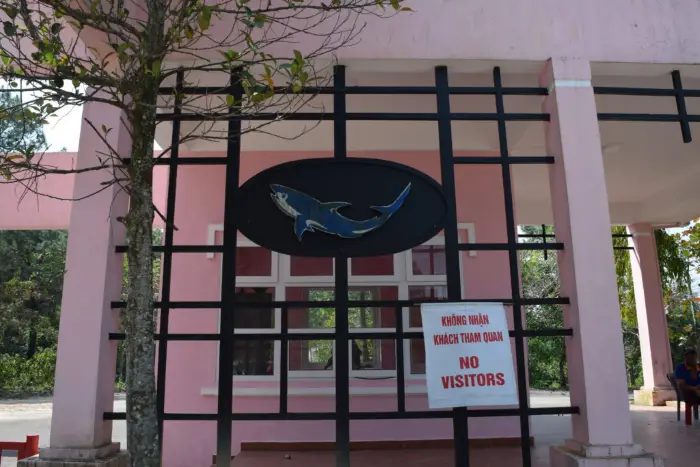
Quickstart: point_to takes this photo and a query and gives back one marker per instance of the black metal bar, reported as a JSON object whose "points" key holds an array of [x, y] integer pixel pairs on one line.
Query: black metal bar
{"points": [[352, 116], [454, 281], [680, 106], [475, 160], [284, 360], [354, 303], [228, 285], [496, 160], [506, 246], [642, 117], [544, 240], [341, 364], [400, 370], [167, 266], [618, 91], [307, 336], [220, 248], [410, 415], [385, 90], [511, 231]]}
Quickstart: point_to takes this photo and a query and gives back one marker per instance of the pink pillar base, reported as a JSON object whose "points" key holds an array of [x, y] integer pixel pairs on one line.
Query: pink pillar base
{"points": [[120, 459], [575, 454], [654, 396]]}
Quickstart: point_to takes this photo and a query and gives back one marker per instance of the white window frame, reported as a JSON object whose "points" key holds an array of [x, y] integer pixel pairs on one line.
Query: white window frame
{"points": [[281, 278]]}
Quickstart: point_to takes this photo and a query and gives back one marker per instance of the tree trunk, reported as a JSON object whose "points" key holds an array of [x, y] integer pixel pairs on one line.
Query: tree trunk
{"points": [[141, 400], [143, 434]]}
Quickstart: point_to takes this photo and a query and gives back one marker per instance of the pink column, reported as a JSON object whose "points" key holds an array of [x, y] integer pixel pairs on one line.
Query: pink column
{"points": [[595, 354], [651, 318], [85, 368]]}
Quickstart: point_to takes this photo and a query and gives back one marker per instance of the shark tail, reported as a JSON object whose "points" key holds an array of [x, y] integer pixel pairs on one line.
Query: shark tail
{"points": [[393, 207]]}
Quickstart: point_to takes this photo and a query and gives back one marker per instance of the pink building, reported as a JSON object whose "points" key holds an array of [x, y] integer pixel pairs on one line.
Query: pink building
{"points": [[563, 113]]}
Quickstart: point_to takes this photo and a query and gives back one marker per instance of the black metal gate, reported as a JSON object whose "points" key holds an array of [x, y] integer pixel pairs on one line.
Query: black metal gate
{"points": [[225, 418]]}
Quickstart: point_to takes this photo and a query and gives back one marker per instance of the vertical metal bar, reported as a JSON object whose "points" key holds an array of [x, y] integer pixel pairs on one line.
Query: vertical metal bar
{"points": [[167, 265], [680, 106], [514, 271], [400, 373], [228, 283], [284, 363], [342, 337], [454, 282], [544, 240]]}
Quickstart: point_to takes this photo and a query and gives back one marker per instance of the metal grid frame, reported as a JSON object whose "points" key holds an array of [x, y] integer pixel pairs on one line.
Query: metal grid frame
{"points": [[342, 416], [544, 237]]}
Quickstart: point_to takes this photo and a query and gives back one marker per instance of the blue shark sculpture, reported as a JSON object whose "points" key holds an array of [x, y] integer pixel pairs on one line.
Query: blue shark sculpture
{"points": [[310, 214]]}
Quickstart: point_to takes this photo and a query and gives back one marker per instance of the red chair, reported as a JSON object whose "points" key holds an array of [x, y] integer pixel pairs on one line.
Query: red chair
{"points": [[25, 449]]}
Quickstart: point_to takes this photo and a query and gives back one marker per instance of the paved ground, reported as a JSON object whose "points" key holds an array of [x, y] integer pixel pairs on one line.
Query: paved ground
{"points": [[33, 417]]}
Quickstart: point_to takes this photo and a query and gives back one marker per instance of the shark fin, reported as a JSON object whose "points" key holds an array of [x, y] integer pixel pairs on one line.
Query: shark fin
{"points": [[393, 207], [335, 205], [300, 226]]}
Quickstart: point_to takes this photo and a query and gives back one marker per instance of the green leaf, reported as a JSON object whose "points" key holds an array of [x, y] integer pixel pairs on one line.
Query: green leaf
{"points": [[155, 68], [204, 19], [9, 28], [298, 57], [189, 32], [230, 100], [56, 28]]}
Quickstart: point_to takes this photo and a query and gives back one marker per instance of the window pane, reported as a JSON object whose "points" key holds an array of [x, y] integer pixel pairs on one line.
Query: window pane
{"points": [[253, 358], [417, 357], [374, 266], [253, 261], [310, 355], [247, 317], [372, 317], [423, 292], [302, 266], [313, 318], [428, 260], [373, 354]]}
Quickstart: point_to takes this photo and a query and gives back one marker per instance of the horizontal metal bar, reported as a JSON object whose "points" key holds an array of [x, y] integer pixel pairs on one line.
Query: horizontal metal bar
{"points": [[467, 160], [374, 90], [492, 90], [351, 303], [352, 116], [408, 415], [644, 117], [503, 160], [619, 91], [514, 117], [309, 336], [508, 247], [463, 246], [650, 92], [177, 248]]}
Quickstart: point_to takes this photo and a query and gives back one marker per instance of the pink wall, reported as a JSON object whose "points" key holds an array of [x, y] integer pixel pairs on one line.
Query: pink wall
{"points": [[47, 205], [192, 365], [42, 210]]}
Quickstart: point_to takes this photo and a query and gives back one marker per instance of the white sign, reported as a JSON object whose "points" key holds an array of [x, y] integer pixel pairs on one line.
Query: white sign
{"points": [[467, 355]]}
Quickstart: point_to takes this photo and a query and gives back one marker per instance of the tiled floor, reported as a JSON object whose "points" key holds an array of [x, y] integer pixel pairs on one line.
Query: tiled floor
{"points": [[656, 429]]}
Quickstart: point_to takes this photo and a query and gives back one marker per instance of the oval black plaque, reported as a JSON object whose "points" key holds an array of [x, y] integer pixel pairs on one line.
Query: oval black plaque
{"points": [[329, 207]]}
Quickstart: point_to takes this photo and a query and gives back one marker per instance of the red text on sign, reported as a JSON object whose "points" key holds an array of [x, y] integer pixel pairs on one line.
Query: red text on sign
{"points": [[466, 363], [473, 380]]}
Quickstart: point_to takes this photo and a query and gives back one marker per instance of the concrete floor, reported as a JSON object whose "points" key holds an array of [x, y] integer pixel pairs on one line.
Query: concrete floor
{"points": [[654, 428]]}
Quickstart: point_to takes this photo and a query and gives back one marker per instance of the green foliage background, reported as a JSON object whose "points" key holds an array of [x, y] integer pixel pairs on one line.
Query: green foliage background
{"points": [[33, 263]]}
